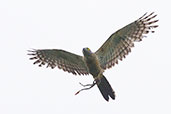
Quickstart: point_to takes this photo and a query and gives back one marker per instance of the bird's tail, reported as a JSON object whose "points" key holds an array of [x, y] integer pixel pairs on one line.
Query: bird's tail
{"points": [[106, 89]]}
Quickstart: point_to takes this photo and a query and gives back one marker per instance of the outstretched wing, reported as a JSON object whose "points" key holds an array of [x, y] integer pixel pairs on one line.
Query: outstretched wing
{"points": [[64, 60], [119, 44]]}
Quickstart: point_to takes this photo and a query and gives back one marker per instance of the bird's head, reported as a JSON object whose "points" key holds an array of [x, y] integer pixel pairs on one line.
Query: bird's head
{"points": [[87, 51]]}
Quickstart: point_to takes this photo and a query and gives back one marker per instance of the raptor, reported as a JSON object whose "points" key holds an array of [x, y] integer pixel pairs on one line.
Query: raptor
{"points": [[116, 47]]}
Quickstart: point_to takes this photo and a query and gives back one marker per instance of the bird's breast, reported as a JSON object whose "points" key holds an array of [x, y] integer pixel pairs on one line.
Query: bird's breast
{"points": [[93, 65]]}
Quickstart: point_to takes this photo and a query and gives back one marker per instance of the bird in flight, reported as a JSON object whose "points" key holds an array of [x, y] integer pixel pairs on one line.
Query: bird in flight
{"points": [[116, 47]]}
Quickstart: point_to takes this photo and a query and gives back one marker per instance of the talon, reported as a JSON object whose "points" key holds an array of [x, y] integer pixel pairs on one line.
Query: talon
{"points": [[97, 81]]}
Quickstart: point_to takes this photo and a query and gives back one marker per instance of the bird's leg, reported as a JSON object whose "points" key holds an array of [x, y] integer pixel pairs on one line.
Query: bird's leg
{"points": [[98, 78], [90, 86]]}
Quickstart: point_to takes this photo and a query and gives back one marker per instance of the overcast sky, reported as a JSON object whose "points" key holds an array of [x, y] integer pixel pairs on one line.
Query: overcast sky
{"points": [[142, 81]]}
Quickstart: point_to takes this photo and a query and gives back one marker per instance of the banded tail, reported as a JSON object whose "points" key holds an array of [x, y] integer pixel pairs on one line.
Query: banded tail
{"points": [[106, 89]]}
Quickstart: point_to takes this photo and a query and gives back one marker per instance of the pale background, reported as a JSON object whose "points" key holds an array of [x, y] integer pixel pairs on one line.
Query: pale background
{"points": [[142, 81]]}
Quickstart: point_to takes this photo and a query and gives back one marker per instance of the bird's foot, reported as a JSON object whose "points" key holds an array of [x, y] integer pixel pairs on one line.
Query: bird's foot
{"points": [[90, 86]]}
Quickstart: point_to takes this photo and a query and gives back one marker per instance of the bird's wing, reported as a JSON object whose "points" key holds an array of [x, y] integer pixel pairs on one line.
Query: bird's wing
{"points": [[119, 44], [64, 60]]}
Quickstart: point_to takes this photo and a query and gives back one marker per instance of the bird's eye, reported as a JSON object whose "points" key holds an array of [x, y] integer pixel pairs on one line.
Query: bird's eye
{"points": [[88, 49]]}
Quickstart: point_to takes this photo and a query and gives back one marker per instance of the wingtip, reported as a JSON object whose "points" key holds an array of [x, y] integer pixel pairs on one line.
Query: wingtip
{"points": [[145, 16]]}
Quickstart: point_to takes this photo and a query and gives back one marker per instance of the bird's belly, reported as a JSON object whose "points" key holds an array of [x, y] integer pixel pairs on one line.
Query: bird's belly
{"points": [[93, 66]]}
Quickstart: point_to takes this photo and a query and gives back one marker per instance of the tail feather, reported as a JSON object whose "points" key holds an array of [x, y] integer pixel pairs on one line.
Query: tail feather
{"points": [[106, 89]]}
